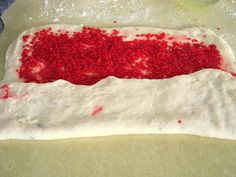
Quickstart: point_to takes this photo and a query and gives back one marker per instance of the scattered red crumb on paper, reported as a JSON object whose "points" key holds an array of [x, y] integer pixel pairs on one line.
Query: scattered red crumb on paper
{"points": [[97, 110]]}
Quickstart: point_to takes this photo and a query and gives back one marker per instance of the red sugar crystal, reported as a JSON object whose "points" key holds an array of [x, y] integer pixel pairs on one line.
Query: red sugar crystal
{"points": [[5, 92], [97, 110], [25, 38], [179, 121]]}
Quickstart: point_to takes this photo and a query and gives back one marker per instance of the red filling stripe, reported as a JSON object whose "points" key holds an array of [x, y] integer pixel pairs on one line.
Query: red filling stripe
{"points": [[90, 55]]}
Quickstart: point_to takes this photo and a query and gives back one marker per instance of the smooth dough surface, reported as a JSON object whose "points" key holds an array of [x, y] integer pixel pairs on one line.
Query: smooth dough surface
{"points": [[202, 103]]}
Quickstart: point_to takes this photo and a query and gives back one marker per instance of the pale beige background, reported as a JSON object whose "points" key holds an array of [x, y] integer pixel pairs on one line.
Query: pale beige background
{"points": [[119, 156]]}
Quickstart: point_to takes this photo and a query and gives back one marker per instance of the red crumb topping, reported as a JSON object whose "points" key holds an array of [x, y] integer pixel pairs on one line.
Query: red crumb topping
{"points": [[25, 38], [194, 40], [179, 121], [5, 89], [97, 110], [92, 54]]}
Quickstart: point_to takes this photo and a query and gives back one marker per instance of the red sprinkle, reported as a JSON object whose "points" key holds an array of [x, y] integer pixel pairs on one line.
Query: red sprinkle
{"points": [[5, 92], [171, 38], [179, 121], [97, 110], [25, 38], [92, 54], [234, 74], [194, 40]]}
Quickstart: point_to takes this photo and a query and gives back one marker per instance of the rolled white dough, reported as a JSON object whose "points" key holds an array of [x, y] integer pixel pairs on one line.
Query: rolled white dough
{"points": [[202, 103]]}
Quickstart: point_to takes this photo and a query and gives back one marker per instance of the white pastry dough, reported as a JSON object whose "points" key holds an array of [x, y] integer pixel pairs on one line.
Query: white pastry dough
{"points": [[202, 103]]}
